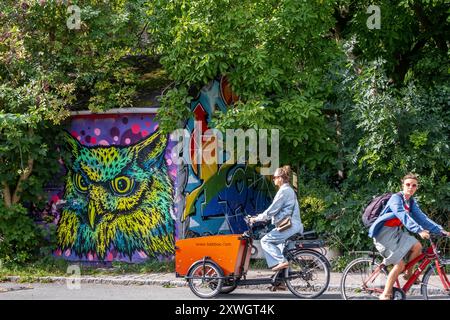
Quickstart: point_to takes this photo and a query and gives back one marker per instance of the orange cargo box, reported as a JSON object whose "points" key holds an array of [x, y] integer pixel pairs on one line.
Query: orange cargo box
{"points": [[225, 250]]}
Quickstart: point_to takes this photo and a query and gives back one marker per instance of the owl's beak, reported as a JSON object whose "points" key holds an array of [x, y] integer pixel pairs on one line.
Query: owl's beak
{"points": [[91, 214]]}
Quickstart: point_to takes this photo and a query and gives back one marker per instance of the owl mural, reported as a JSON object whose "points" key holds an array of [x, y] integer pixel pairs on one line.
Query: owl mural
{"points": [[118, 198]]}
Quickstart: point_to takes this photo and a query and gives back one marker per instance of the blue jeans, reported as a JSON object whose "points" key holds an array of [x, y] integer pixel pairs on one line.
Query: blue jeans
{"points": [[273, 244]]}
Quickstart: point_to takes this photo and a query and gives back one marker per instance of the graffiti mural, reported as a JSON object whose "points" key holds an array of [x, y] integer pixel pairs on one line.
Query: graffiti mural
{"points": [[124, 198], [216, 197], [118, 192]]}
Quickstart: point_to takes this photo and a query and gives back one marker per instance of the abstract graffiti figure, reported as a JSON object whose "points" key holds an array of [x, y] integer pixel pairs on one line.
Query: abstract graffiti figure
{"points": [[118, 199], [217, 196]]}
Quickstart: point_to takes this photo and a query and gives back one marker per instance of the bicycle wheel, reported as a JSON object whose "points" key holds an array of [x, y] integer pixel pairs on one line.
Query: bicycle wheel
{"points": [[362, 279], [432, 286], [308, 274], [205, 279]]}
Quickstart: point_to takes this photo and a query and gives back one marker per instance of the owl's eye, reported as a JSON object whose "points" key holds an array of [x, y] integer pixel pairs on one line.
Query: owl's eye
{"points": [[122, 185], [80, 183]]}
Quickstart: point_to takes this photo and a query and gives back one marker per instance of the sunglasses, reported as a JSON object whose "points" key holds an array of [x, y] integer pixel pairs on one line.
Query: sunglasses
{"points": [[411, 185]]}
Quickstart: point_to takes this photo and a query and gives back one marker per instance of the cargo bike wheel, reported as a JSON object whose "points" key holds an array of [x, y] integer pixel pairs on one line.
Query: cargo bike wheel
{"points": [[205, 279], [308, 275]]}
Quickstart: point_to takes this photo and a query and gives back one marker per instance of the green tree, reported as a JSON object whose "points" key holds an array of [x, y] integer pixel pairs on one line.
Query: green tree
{"points": [[413, 37], [357, 107], [273, 53], [49, 66], [52, 63], [391, 98]]}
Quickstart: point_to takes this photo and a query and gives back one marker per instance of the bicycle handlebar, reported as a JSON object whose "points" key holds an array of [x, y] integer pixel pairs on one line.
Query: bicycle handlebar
{"points": [[436, 236], [249, 232]]}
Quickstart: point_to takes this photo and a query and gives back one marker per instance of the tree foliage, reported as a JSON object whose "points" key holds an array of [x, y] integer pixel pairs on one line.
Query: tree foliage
{"points": [[357, 107], [273, 53], [48, 68]]}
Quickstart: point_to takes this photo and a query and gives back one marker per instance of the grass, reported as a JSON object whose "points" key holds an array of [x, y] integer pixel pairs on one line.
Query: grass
{"points": [[57, 267], [49, 266], [146, 267], [40, 268]]}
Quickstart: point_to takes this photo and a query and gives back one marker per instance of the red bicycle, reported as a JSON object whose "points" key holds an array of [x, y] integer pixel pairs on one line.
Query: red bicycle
{"points": [[364, 278]]}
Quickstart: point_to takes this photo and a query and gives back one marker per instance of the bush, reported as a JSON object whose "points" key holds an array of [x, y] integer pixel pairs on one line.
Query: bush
{"points": [[22, 240], [316, 197], [335, 214], [338, 264]]}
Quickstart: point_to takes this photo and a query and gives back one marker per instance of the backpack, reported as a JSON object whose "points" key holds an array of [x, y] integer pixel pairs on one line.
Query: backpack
{"points": [[374, 208]]}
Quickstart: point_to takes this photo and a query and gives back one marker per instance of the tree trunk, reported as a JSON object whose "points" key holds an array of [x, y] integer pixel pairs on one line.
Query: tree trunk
{"points": [[340, 160], [24, 176], [14, 198], [298, 180], [6, 195]]}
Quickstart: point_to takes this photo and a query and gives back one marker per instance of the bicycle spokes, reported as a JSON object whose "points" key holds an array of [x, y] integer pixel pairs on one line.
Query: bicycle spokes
{"points": [[435, 285], [308, 275], [363, 279]]}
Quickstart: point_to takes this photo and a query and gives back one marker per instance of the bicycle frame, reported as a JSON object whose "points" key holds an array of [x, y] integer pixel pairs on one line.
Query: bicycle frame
{"points": [[426, 258]]}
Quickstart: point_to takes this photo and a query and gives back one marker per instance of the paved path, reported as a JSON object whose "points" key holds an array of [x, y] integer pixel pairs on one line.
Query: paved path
{"points": [[161, 279], [89, 291], [154, 286]]}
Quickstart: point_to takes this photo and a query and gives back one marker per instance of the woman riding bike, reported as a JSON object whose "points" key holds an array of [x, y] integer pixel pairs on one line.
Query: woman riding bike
{"points": [[284, 205], [394, 243]]}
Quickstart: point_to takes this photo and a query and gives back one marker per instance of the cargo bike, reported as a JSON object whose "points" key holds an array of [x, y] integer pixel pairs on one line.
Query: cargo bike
{"points": [[218, 264]]}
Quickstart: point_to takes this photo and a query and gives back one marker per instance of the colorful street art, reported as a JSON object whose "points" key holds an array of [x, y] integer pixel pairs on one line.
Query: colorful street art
{"points": [[118, 192], [124, 198], [214, 197]]}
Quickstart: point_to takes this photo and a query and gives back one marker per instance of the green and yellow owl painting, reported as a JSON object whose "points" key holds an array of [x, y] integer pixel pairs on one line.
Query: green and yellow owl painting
{"points": [[118, 198]]}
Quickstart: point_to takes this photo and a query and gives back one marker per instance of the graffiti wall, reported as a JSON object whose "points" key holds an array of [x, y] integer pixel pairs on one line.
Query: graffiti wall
{"points": [[214, 198], [118, 192], [124, 199]]}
